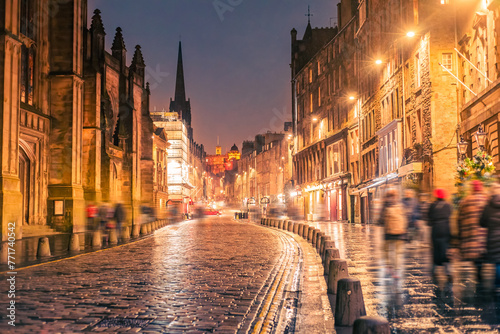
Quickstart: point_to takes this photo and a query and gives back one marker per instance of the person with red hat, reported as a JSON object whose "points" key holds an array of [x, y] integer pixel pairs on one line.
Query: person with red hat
{"points": [[439, 220], [472, 237]]}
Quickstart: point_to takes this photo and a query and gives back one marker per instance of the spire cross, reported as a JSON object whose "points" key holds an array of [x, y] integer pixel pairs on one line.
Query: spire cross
{"points": [[308, 14]]}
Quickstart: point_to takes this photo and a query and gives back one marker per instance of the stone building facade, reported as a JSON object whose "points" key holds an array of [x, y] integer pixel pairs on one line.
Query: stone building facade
{"points": [[389, 106], [478, 68], [75, 118]]}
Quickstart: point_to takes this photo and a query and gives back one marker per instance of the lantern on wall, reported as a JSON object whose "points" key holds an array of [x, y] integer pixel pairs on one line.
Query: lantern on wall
{"points": [[462, 147], [480, 137]]}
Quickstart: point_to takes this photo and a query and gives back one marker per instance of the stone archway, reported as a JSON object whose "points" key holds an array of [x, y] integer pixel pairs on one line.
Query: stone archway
{"points": [[26, 164]]}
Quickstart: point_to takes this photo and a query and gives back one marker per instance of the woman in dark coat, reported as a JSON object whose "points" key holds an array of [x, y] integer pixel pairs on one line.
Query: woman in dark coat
{"points": [[439, 219], [490, 219]]}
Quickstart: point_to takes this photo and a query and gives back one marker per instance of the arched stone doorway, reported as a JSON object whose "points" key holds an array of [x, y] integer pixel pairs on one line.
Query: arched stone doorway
{"points": [[25, 168]]}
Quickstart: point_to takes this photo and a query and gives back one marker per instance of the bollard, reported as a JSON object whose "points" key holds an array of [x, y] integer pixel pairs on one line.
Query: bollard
{"points": [[350, 304], [324, 239], [336, 271], [148, 227], [96, 239], [330, 254], [125, 234], [290, 226], [113, 238], [310, 235], [144, 229], [43, 247], [135, 230], [74, 243], [318, 239], [328, 244], [315, 236], [371, 325], [305, 231], [300, 229], [281, 224], [295, 227]]}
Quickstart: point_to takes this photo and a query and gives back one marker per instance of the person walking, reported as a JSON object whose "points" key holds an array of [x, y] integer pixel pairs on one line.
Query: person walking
{"points": [[412, 213], [439, 220], [472, 237], [119, 216], [393, 218], [92, 213], [103, 216], [490, 219]]}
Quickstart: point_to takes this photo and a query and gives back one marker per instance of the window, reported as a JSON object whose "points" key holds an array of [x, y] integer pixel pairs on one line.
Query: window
{"points": [[408, 131], [319, 68], [419, 126], [27, 74], [319, 96], [418, 69], [27, 18], [447, 61], [310, 75], [310, 102]]}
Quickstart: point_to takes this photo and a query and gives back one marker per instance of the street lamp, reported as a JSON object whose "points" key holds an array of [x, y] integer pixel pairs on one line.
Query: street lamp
{"points": [[480, 137], [410, 34], [378, 61], [462, 147]]}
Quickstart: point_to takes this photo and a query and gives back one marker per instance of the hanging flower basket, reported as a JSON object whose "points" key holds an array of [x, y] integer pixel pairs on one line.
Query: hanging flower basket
{"points": [[480, 167]]}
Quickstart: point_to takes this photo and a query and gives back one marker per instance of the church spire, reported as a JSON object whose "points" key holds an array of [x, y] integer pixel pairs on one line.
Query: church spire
{"points": [[180, 90], [96, 25]]}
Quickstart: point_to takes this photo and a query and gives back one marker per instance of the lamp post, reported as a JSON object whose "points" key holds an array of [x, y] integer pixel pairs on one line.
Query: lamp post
{"points": [[462, 148], [480, 137]]}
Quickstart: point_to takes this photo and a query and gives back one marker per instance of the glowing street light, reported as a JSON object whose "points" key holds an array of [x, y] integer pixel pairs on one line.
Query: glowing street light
{"points": [[352, 98], [410, 34], [378, 61], [315, 119]]}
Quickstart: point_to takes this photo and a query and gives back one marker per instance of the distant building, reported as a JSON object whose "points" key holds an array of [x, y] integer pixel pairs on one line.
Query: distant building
{"points": [[219, 163], [186, 181]]}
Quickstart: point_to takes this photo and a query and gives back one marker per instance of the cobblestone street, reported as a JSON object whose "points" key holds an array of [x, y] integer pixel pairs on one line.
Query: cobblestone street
{"points": [[213, 275], [414, 304]]}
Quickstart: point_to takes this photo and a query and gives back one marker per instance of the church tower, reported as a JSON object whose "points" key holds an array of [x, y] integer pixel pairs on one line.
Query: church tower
{"points": [[180, 104]]}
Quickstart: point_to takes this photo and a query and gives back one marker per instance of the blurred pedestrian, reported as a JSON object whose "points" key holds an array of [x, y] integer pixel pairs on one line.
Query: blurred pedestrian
{"points": [[439, 220], [103, 216], [92, 213], [119, 216], [472, 237], [392, 217], [412, 212], [423, 207], [490, 219]]}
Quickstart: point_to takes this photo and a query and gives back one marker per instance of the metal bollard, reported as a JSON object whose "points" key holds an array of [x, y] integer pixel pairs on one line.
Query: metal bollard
{"points": [[305, 231], [336, 271], [311, 234], [144, 229], [135, 230], [318, 240], [350, 304], [296, 227]]}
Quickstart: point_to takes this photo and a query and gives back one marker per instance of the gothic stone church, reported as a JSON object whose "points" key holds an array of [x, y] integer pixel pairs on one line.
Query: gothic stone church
{"points": [[74, 118]]}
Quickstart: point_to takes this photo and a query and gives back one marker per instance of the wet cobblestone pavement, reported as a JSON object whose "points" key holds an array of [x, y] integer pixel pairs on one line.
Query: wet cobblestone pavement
{"points": [[413, 304], [214, 275]]}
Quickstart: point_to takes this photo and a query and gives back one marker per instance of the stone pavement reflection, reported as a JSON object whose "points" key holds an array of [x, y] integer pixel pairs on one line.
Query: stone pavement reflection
{"points": [[413, 304], [213, 275]]}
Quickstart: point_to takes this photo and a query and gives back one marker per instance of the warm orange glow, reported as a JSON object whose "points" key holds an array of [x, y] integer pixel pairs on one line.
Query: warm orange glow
{"points": [[378, 61], [410, 34], [315, 119], [351, 97]]}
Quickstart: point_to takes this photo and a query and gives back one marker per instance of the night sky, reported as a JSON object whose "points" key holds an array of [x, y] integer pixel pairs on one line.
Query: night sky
{"points": [[236, 57]]}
